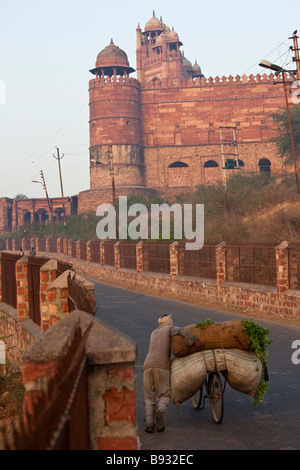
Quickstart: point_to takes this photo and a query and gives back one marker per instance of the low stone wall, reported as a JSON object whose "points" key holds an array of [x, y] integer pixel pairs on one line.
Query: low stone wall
{"points": [[16, 335]]}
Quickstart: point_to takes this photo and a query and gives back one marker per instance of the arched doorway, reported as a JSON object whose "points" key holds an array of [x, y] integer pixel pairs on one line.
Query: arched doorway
{"points": [[264, 166]]}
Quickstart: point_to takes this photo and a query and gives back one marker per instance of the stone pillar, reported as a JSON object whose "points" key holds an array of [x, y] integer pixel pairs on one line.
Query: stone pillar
{"points": [[102, 253], [47, 245], [221, 263], [13, 244], [48, 274], [139, 257], [282, 266], [117, 255], [23, 244], [22, 288], [174, 259]]}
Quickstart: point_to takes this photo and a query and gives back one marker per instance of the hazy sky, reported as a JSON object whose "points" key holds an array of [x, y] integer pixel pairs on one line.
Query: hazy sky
{"points": [[48, 47]]}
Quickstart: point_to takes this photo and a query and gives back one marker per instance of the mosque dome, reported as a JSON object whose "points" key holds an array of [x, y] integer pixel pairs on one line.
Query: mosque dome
{"points": [[173, 36], [112, 55], [154, 24]]}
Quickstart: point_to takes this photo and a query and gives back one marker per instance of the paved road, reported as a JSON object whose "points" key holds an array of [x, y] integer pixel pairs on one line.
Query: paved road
{"points": [[272, 425]]}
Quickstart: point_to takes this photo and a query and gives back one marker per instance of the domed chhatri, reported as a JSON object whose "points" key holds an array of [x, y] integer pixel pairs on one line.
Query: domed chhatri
{"points": [[154, 24], [112, 61]]}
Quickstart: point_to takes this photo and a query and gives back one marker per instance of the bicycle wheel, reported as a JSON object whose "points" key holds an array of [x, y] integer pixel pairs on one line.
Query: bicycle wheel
{"points": [[197, 399], [216, 396]]}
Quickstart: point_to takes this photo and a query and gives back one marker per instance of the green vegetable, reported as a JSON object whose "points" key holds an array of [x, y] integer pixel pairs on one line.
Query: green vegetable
{"points": [[258, 343], [204, 323]]}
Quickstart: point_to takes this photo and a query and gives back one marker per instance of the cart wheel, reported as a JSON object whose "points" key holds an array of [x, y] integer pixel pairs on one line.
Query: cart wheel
{"points": [[197, 399], [216, 396]]}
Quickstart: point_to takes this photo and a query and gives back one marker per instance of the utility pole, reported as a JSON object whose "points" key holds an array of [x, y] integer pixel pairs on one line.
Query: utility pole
{"points": [[58, 158], [296, 50], [49, 204]]}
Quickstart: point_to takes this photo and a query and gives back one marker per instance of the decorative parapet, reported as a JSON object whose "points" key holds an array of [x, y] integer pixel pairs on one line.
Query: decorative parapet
{"points": [[210, 81]]}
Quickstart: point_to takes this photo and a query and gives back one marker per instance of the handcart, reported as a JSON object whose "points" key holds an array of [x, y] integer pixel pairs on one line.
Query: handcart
{"points": [[214, 389]]}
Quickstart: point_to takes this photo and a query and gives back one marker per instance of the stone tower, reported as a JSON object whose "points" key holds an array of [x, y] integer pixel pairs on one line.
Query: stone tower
{"points": [[115, 123], [158, 54]]}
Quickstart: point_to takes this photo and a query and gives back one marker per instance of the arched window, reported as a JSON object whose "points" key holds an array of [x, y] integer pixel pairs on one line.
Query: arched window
{"points": [[264, 165], [178, 165], [210, 164]]}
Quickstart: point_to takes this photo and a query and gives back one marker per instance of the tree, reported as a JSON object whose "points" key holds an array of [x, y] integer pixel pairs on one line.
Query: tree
{"points": [[21, 196], [283, 137]]}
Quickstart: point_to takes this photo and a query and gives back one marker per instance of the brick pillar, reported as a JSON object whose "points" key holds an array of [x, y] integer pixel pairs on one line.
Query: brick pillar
{"points": [[88, 252], [77, 249], [139, 257], [0, 279], [7, 244], [65, 247], [58, 250], [102, 253], [174, 259], [117, 255], [22, 288], [13, 245], [282, 266], [48, 274], [221, 263], [47, 243], [23, 244], [56, 299], [69, 248]]}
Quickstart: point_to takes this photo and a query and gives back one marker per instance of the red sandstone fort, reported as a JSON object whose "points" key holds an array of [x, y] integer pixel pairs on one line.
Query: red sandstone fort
{"points": [[165, 131]]}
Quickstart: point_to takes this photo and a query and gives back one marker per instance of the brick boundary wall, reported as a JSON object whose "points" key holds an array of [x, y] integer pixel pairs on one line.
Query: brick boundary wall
{"points": [[282, 300], [279, 300]]}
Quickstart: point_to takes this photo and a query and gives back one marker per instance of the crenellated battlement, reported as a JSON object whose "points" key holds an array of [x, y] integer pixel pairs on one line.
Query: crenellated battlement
{"points": [[115, 80], [202, 82]]}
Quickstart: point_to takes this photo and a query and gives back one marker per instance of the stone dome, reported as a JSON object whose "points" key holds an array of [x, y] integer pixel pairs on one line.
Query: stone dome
{"points": [[196, 67], [154, 24], [186, 63], [111, 56], [173, 36]]}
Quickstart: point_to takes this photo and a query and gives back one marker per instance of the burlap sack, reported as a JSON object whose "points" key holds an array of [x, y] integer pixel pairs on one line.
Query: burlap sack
{"points": [[187, 377], [225, 335], [188, 373], [244, 371]]}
